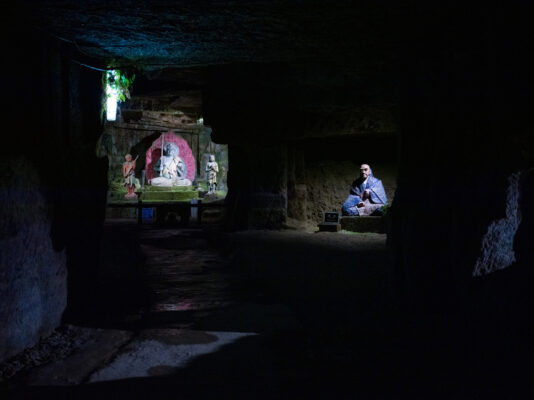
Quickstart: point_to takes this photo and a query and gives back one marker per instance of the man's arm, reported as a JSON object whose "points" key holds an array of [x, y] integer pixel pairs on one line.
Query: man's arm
{"points": [[355, 190], [377, 194]]}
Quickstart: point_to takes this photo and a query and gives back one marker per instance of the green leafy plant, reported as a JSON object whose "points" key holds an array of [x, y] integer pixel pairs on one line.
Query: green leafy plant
{"points": [[118, 84]]}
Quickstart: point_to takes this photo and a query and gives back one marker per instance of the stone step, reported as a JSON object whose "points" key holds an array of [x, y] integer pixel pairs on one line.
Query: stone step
{"points": [[363, 224]]}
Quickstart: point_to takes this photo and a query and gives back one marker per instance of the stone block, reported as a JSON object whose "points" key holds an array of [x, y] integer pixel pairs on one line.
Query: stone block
{"points": [[267, 218], [329, 227], [363, 224]]}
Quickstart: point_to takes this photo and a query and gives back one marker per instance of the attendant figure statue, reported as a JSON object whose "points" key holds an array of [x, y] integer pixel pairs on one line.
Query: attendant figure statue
{"points": [[211, 171], [367, 195], [128, 171]]}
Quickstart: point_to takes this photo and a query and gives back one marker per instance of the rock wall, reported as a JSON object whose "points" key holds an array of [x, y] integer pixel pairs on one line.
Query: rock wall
{"points": [[465, 130], [293, 183], [33, 275], [463, 182], [329, 183], [52, 188], [298, 136], [332, 164]]}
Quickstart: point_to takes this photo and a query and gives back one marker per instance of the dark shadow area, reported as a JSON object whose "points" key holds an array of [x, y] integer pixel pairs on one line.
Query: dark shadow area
{"points": [[378, 148], [237, 199], [119, 296], [141, 149]]}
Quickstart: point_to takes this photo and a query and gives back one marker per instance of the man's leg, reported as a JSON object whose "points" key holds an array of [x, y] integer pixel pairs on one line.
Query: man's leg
{"points": [[350, 205]]}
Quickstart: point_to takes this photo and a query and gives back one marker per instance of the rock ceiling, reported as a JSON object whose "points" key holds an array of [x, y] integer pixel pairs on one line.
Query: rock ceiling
{"points": [[334, 57], [162, 33]]}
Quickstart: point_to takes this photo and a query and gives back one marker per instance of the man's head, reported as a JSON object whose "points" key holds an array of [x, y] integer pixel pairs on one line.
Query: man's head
{"points": [[212, 157], [365, 171], [128, 157]]}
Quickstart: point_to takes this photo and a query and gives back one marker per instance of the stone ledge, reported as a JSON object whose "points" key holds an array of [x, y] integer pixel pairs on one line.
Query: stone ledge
{"points": [[363, 224], [329, 227], [184, 195]]}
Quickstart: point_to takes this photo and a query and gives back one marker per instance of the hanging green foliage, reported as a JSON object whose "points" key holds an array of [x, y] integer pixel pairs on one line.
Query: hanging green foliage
{"points": [[118, 84]]}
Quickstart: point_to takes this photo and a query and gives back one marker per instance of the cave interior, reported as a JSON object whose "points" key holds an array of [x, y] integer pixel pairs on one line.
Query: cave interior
{"points": [[291, 97]]}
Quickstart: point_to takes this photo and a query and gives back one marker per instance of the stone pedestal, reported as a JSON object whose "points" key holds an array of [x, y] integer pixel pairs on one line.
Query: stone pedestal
{"points": [[329, 227], [170, 195], [363, 224]]}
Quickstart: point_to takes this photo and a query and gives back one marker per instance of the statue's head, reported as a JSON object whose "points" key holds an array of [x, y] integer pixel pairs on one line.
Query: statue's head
{"points": [[212, 158], [365, 171], [128, 157], [171, 150]]}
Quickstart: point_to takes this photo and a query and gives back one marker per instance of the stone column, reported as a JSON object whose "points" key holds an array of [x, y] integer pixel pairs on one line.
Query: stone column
{"points": [[268, 182], [296, 187]]}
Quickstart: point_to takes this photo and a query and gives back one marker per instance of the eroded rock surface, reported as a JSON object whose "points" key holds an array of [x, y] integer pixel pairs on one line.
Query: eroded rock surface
{"points": [[33, 284]]}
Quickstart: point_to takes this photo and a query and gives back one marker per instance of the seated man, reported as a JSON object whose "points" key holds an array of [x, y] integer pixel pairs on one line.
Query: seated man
{"points": [[367, 195]]}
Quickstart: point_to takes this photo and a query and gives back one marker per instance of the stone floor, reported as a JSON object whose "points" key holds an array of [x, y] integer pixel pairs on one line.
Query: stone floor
{"points": [[194, 314], [228, 310]]}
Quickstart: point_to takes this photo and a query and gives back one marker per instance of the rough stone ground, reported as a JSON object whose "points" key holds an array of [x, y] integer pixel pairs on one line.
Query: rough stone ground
{"points": [[198, 313], [253, 314]]}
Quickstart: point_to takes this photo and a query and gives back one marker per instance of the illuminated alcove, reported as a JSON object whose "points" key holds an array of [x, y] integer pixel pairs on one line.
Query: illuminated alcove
{"points": [[152, 123]]}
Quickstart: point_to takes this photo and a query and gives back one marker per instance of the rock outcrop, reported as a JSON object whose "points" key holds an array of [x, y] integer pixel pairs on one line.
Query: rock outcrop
{"points": [[33, 276]]}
